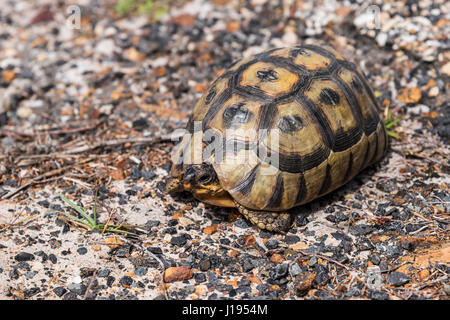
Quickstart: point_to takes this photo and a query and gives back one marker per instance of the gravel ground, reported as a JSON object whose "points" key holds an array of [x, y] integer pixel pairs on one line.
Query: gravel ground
{"points": [[75, 102]]}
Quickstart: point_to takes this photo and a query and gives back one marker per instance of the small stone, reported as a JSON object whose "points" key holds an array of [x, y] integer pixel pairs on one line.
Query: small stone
{"points": [[126, 281], [375, 259], [174, 274], [82, 251], [397, 279], [446, 69], [209, 230], [303, 283], [241, 223], [423, 274], [205, 265], [134, 55], [295, 270], [103, 273], [322, 276], [24, 256], [59, 291], [24, 112], [77, 288], [291, 239], [276, 258], [199, 277], [433, 92], [409, 95], [52, 258], [140, 271], [280, 271], [378, 295], [447, 289], [201, 290], [179, 240], [272, 244]]}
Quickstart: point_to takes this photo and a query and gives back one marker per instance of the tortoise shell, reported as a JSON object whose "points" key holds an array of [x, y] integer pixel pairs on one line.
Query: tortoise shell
{"points": [[326, 118]]}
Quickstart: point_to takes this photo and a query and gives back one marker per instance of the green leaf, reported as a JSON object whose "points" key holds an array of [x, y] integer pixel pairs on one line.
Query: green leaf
{"points": [[78, 209], [124, 6], [390, 124], [393, 134], [95, 208]]}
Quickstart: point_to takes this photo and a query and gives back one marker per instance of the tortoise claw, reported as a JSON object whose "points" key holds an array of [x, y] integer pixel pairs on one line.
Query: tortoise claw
{"points": [[278, 222]]}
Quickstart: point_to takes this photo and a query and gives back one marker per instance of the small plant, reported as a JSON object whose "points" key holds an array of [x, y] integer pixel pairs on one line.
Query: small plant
{"points": [[91, 223], [157, 9], [389, 122]]}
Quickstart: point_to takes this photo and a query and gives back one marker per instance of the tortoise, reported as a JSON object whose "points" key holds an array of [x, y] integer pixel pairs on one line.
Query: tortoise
{"points": [[277, 130]]}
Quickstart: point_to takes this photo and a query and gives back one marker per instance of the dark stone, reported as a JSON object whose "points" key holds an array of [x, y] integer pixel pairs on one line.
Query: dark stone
{"points": [[291, 239], [42, 254], [140, 124], [52, 258], [77, 288], [361, 230], [44, 203], [341, 236], [24, 256], [140, 271], [321, 275], [110, 280], [280, 271], [155, 250], [247, 266], [272, 244], [87, 272], [301, 220], [241, 223], [70, 296], [378, 295], [375, 259], [397, 279], [341, 216], [59, 291], [82, 251], [126, 280], [178, 241], [199, 277], [103, 273], [205, 265]]}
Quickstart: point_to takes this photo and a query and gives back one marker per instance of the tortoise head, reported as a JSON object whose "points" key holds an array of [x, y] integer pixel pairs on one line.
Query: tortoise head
{"points": [[201, 180]]}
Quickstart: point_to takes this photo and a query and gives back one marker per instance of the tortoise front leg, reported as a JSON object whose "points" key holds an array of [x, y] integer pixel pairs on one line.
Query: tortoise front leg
{"points": [[272, 221]]}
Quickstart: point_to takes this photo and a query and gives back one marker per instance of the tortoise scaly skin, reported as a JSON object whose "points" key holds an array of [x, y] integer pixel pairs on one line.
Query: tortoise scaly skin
{"points": [[328, 130]]}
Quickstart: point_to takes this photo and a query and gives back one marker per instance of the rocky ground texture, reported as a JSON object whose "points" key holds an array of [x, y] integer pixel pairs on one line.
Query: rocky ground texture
{"points": [[89, 110]]}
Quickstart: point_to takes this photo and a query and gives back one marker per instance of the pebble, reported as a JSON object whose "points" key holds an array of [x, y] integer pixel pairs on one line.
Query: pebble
{"points": [[140, 271], [126, 281], [378, 295], [205, 265], [174, 274], [59, 291], [279, 271], [77, 288], [24, 112], [271, 244], [303, 283], [103, 273], [24, 256], [178, 240], [447, 289], [82, 251], [199, 277], [397, 279]]}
